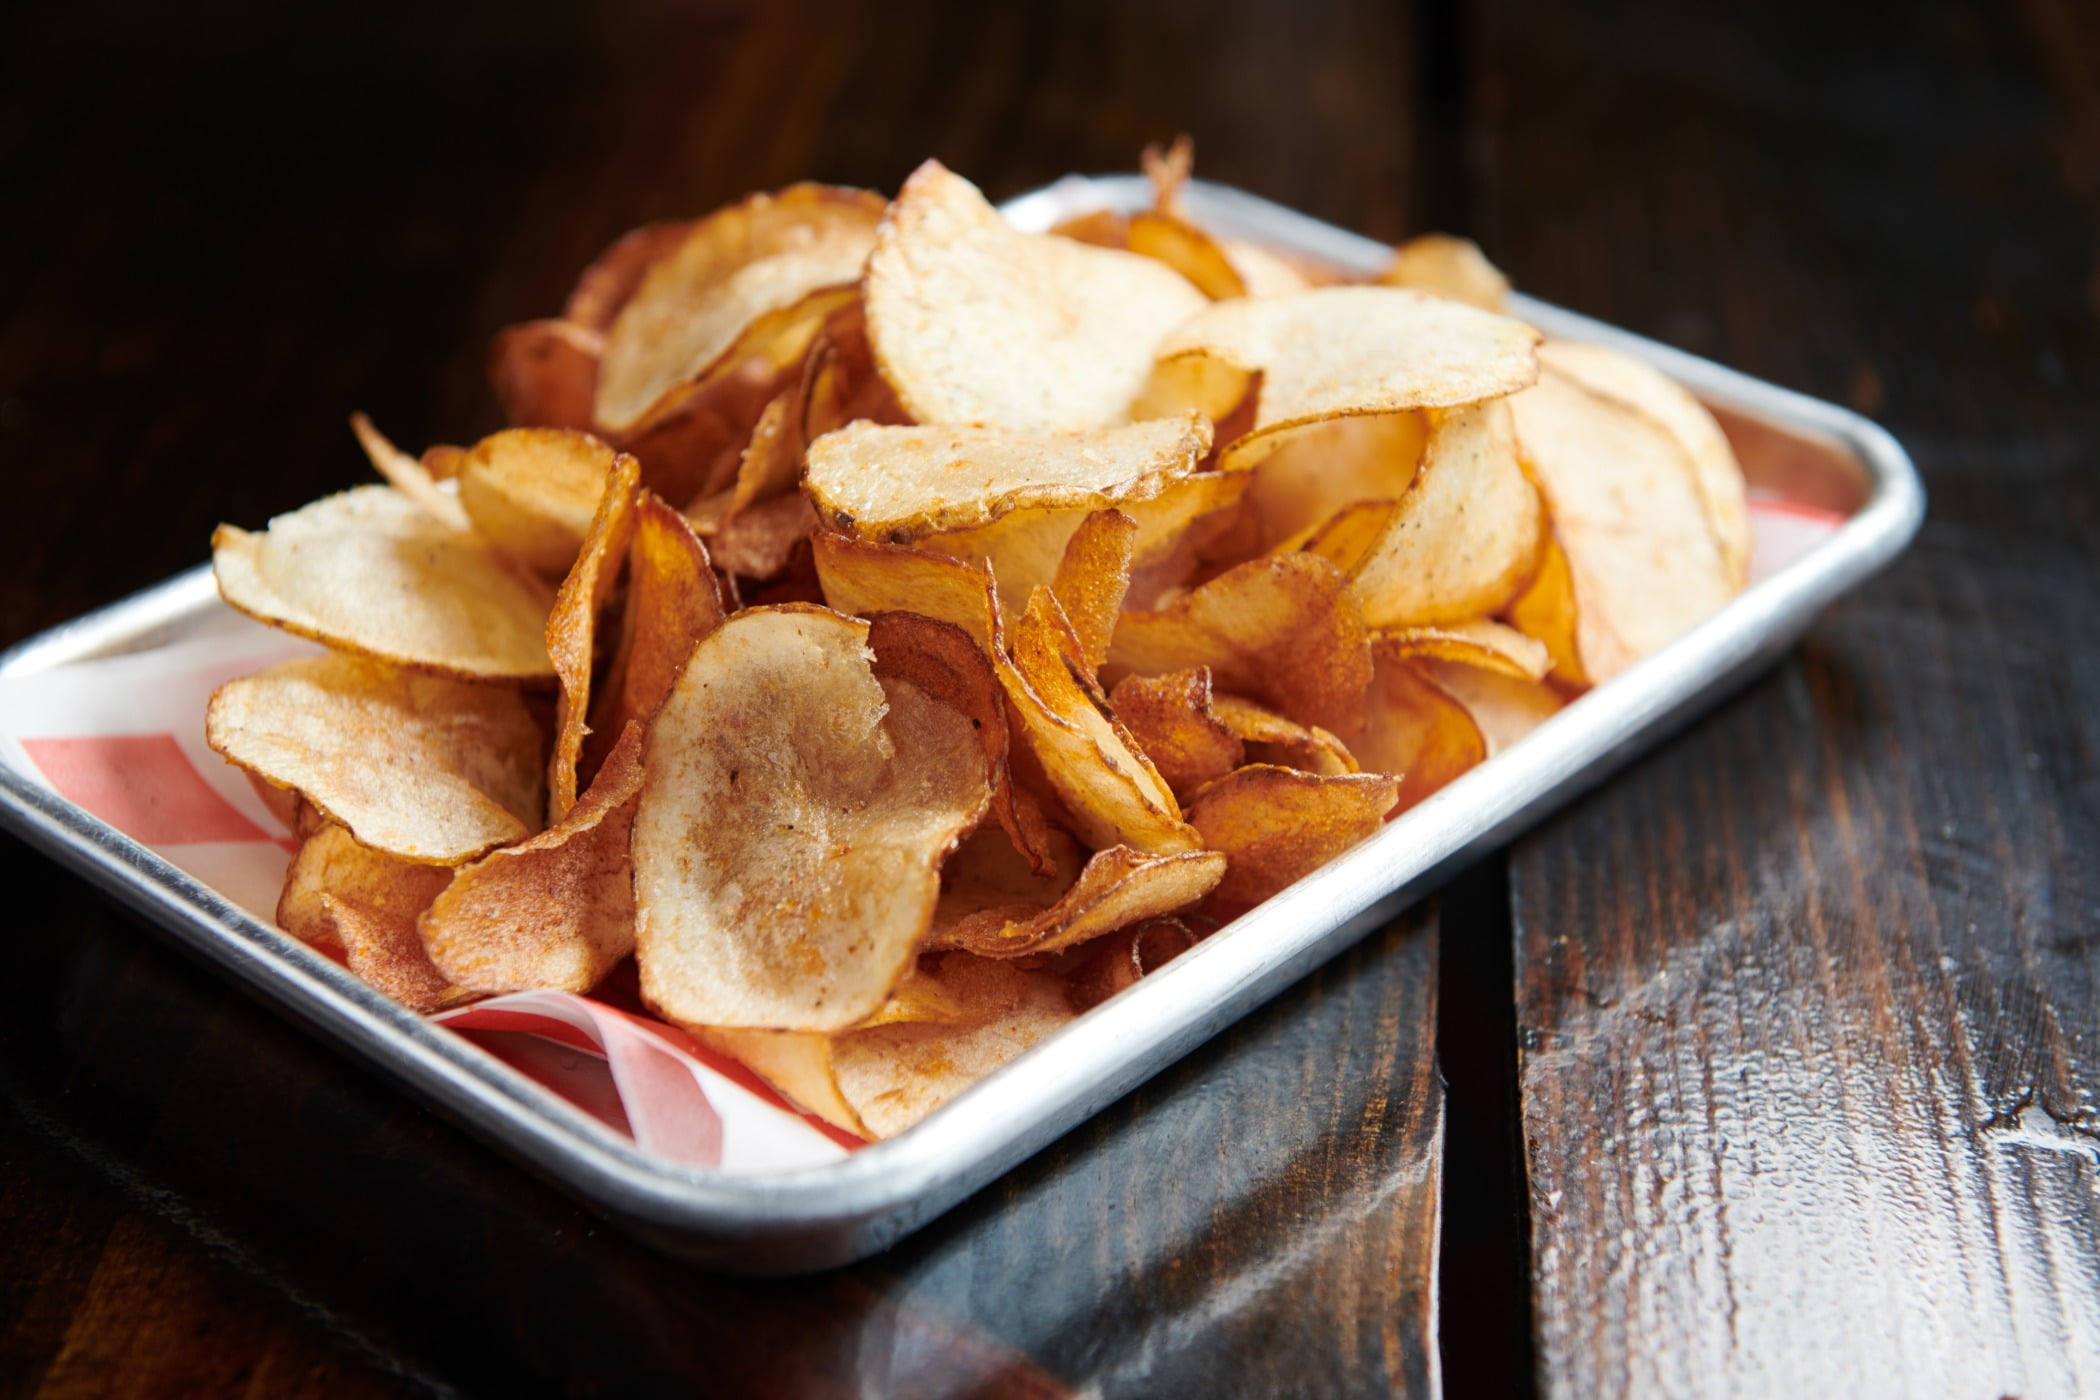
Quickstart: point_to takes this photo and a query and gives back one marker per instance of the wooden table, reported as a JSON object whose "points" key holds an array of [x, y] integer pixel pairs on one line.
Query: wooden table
{"points": [[1773, 1064]]}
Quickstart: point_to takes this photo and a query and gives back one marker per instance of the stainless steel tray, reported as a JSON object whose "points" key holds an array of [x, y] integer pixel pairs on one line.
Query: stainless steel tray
{"points": [[1808, 450]]}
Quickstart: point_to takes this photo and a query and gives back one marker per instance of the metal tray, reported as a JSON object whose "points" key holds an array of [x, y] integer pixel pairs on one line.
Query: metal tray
{"points": [[1804, 449]]}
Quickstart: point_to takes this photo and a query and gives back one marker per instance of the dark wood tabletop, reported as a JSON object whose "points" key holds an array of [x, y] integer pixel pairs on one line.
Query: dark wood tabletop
{"points": [[1773, 1064]]}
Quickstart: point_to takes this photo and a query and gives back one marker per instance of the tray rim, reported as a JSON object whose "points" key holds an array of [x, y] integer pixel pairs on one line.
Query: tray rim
{"points": [[833, 1214]]}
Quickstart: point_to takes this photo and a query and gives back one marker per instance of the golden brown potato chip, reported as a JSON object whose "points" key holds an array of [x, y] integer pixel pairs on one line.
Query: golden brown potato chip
{"points": [[753, 279], [692, 447], [1628, 514], [1480, 644], [1465, 537], [1220, 267], [794, 815], [840, 381], [408, 475], [988, 872], [797, 1063], [901, 484], [545, 373], [1120, 959], [531, 492], [1716, 474], [1118, 887], [1026, 549], [572, 628], [894, 1076], [369, 571], [673, 600], [1270, 738], [1505, 707], [942, 660], [1545, 611], [610, 281], [1277, 825], [1113, 793], [1170, 717], [330, 862], [428, 769], [1334, 352], [554, 912], [1416, 731], [1284, 629], [771, 464], [973, 321], [1104, 228], [1331, 466], [760, 542], [1448, 266], [1093, 578], [862, 578]]}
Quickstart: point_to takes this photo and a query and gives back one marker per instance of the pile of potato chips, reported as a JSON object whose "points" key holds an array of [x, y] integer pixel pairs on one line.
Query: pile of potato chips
{"points": [[896, 632]]}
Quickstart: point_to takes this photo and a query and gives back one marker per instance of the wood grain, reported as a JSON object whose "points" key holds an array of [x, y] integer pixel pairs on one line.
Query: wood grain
{"points": [[227, 230], [1809, 1004]]}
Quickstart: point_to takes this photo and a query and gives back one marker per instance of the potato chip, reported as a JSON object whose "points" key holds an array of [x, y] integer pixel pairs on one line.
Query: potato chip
{"points": [[760, 542], [797, 1063], [1330, 466], [988, 872], [432, 770], [1613, 374], [862, 578], [1026, 548], [609, 283], [1104, 228], [1643, 561], [1170, 717], [770, 466], [330, 862], [408, 475], [1277, 825], [1093, 578], [545, 374], [1334, 352], [371, 572], [554, 912], [693, 446], [942, 660], [1123, 958], [1118, 887], [1504, 707], [1417, 731], [902, 484], [975, 322], [1284, 629], [840, 381], [531, 492], [1465, 537], [794, 815], [1270, 738], [673, 600], [572, 628], [1219, 267], [1478, 644], [1545, 611], [1111, 790], [755, 279], [1447, 266]]}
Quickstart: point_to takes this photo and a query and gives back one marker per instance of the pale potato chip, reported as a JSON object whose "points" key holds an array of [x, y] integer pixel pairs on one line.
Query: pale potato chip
{"points": [[408, 475], [1715, 471], [673, 600], [1334, 352], [1417, 731], [432, 770], [1118, 887], [975, 322], [1445, 265], [572, 627], [531, 492], [794, 815], [862, 578], [1026, 548], [764, 271], [1505, 707], [1092, 580], [1465, 537], [1478, 644], [554, 912], [1170, 716], [1331, 466], [1284, 629], [1262, 272], [902, 484], [609, 283], [1277, 825], [989, 873], [1643, 561], [1270, 738], [545, 373], [369, 571]]}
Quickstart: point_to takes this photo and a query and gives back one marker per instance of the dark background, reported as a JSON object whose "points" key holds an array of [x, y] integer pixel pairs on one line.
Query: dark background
{"points": [[1772, 1063]]}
